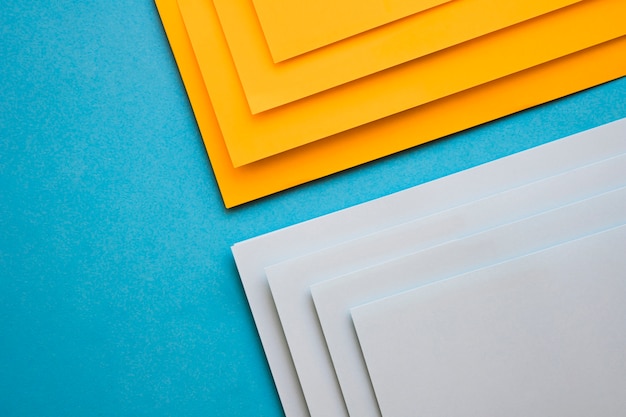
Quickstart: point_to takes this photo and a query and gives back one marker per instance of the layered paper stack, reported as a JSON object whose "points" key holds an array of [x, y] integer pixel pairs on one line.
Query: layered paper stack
{"points": [[286, 92], [495, 291], [500, 290]]}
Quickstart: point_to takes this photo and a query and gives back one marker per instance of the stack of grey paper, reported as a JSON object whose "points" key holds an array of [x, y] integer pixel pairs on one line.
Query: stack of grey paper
{"points": [[496, 291]]}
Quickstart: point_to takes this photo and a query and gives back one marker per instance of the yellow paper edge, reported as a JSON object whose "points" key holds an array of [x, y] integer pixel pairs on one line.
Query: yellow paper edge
{"points": [[267, 85], [470, 108], [250, 138], [294, 27]]}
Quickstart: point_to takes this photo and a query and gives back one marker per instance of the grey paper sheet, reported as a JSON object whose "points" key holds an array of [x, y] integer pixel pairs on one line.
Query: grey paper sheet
{"points": [[540, 335], [334, 298], [290, 280], [253, 255]]}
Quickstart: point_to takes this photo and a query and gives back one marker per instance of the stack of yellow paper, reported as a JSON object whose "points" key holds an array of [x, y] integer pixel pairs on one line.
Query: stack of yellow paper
{"points": [[286, 92]]}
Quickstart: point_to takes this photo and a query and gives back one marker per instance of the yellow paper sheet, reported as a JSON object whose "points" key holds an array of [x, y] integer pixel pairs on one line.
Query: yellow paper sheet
{"points": [[443, 117], [268, 85], [250, 138], [294, 27]]}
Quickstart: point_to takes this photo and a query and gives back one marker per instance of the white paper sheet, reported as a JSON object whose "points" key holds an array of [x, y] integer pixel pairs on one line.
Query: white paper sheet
{"points": [[334, 298], [253, 255], [540, 335], [290, 280]]}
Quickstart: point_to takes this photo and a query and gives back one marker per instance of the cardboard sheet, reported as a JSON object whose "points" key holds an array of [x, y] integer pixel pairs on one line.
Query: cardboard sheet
{"points": [[540, 335], [294, 27], [253, 255], [290, 281], [267, 85], [333, 298], [253, 137], [498, 98]]}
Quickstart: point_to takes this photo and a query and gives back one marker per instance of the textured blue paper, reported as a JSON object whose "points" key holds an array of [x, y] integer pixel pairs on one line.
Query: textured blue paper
{"points": [[118, 292]]}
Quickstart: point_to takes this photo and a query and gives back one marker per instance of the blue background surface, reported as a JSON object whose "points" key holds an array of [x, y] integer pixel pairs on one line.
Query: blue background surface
{"points": [[118, 293]]}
